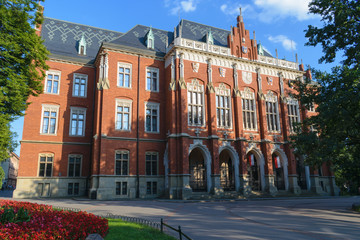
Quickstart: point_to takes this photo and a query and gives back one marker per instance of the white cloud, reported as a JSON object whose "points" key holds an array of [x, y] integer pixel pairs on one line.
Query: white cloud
{"points": [[271, 10], [176, 6], [287, 43], [233, 8]]}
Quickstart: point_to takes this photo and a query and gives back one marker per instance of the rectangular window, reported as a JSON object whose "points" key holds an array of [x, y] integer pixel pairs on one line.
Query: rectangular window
{"points": [[121, 163], [74, 169], [121, 188], [77, 121], [52, 83], [223, 111], [124, 75], [46, 164], [293, 113], [151, 162], [196, 111], [272, 116], [73, 188], [152, 79], [80, 85], [49, 119], [312, 107], [151, 188], [123, 114], [152, 117], [249, 114]]}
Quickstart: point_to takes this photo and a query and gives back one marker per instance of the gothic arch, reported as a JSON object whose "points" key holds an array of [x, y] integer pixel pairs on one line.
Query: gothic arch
{"points": [[284, 162], [207, 160], [235, 162], [259, 156]]}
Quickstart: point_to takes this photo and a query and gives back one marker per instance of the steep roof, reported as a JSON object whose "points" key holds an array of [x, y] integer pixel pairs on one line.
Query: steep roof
{"points": [[62, 38]]}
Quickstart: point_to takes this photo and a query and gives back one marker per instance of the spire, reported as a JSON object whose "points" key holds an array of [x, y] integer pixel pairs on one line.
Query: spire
{"points": [[260, 49], [150, 39], [82, 45], [240, 16], [209, 38]]}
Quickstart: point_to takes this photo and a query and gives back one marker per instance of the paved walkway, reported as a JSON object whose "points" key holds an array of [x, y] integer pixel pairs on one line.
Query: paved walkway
{"points": [[306, 218]]}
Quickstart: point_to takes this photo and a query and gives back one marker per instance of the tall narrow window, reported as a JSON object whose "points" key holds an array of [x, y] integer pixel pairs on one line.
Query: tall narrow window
{"points": [[121, 162], [293, 113], [49, 119], [151, 163], [46, 164], [124, 75], [272, 112], [123, 114], [249, 110], [80, 85], [121, 188], [152, 117], [77, 122], [223, 106], [152, 79], [196, 108], [52, 82], [74, 169]]}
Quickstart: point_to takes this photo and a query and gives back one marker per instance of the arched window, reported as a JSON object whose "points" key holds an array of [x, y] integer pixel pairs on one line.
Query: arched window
{"points": [[196, 106], [223, 106], [249, 109]]}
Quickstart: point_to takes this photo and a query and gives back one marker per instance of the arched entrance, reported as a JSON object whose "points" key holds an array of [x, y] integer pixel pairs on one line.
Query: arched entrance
{"points": [[227, 173], [278, 169], [197, 171], [253, 168]]}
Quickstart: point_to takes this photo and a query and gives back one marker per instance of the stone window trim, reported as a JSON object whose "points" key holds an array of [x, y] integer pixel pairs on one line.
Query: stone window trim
{"points": [[122, 161], [52, 77], [272, 113], [78, 86], [196, 89], [78, 111], [151, 86], [124, 103], [225, 120], [249, 111], [151, 163], [47, 130], [47, 160], [152, 106], [74, 170], [124, 70], [293, 113]]}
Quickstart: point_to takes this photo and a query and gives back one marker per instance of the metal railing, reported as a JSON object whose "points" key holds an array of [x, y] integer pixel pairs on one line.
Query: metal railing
{"points": [[181, 234]]}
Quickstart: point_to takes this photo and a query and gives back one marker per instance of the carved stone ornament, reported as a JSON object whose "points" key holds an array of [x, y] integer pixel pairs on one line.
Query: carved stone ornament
{"points": [[195, 66], [237, 92], [244, 49], [222, 71], [270, 81], [210, 87], [182, 83], [247, 77], [261, 95], [172, 86]]}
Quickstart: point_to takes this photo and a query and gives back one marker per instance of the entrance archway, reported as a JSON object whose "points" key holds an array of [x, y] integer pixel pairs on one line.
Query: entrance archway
{"points": [[278, 169], [253, 168], [197, 171], [227, 173]]}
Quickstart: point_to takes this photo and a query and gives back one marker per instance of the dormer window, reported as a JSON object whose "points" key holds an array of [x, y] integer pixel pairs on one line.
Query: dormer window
{"points": [[209, 38], [82, 46], [149, 39]]}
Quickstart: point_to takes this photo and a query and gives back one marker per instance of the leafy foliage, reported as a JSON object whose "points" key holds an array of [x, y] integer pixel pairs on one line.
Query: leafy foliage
{"points": [[336, 94], [22, 62]]}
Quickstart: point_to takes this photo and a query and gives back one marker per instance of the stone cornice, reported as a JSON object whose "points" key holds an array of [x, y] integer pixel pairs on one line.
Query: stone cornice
{"points": [[70, 60], [53, 142]]}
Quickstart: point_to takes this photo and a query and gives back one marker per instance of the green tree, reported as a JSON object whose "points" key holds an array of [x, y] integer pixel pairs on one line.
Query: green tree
{"points": [[22, 63], [336, 94]]}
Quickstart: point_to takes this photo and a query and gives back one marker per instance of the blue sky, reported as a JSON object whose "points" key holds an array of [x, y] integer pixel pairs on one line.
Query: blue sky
{"points": [[279, 24]]}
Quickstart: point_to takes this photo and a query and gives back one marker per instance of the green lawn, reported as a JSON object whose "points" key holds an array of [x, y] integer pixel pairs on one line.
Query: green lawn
{"points": [[118, 229]]}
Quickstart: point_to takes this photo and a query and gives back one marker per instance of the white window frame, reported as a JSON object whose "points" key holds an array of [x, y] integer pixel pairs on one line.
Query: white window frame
{"points": [[152, 70], [46, 155], [151, 168], [52, 72], [293, 106], [123, 103], [271, 100], [80, 76], [223, 91], [198, 89], [124, 65], [50, 108], [76, 156], [122, 160], [311, 107], [152, 106], [247, 94], [78, 110]]}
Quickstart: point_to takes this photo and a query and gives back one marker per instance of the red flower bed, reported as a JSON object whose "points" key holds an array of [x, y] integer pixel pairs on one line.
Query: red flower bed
{"points": [[46, 223]]}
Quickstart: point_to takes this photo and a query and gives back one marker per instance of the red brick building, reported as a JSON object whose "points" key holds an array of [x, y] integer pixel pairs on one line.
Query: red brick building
{"points": [[151, 113]]}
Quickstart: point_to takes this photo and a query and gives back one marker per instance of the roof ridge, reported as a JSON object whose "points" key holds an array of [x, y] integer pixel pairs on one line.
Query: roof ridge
{"points": [[82, 24]]}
